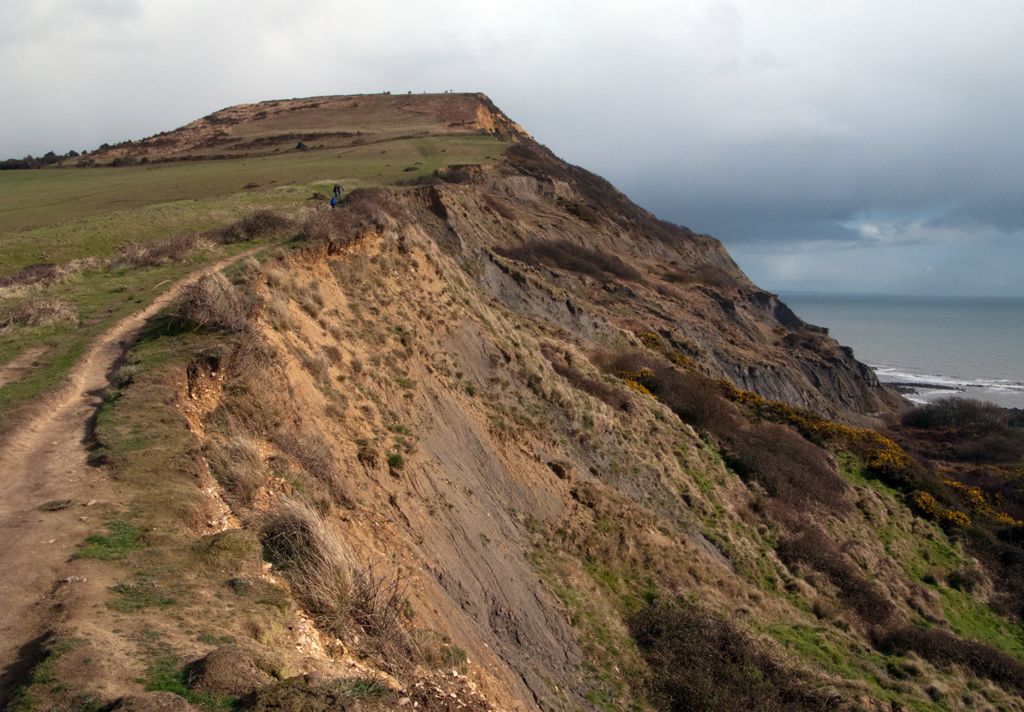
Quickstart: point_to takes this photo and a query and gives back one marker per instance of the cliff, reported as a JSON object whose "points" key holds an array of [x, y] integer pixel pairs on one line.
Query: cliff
{"points": [[497, 438]]}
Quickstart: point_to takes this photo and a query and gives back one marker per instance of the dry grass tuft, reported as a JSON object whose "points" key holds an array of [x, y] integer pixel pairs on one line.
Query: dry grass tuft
{"points": [[161, 252], [212, 302], [237, 464], [41, 311], [315, 561], [258, 225], [337, 594]]}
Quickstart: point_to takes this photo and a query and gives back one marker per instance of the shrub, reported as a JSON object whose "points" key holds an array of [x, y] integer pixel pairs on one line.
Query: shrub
{"points": [[966, 415], [944, 648], [212, 302], [992, 448], [813, 547], [701, 662], [573, 258], [790, 469], [603, 392]]}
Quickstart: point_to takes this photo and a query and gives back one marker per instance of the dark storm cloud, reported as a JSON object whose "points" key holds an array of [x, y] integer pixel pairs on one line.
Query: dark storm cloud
{"points": [[879, 135]]}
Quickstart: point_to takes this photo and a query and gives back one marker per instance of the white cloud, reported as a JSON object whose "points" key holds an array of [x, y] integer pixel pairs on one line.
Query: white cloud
{"points": [[782, 122]]}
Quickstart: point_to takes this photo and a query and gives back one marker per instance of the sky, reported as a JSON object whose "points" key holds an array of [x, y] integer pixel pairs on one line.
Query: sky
{"points": [[868, 146]]}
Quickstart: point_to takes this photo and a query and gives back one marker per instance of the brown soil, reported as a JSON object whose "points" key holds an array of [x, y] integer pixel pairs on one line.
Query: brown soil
{"points": [[46, 460], [15, 368]]}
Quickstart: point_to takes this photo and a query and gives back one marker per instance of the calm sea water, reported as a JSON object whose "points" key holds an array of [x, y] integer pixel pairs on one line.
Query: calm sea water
{"points": [[972, 345]]}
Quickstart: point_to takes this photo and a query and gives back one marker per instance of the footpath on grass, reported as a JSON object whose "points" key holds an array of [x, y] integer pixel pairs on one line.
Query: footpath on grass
{"points": [[52, 498]]}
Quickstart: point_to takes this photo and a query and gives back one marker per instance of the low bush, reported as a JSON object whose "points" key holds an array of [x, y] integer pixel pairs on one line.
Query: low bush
{"points": [[701, 662], [572, 258], [789, 468], [941, 647], [212, 302], [963, 414], [993, 448], [611, 396], [814, 548]]}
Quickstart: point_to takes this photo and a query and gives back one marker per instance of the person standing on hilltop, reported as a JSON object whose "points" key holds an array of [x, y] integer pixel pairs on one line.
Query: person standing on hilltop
{"points": [[337, 191]]}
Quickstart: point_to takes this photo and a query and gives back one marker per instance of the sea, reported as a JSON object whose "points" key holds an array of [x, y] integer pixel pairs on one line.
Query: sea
{"points": [[932, 347]]}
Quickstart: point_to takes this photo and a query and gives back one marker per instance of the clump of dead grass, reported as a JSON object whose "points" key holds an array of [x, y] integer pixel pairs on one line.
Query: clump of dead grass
{"points": [[39, 311], [255, 226], [316, 562], [237, 464], [337, 592], [212, 302]]}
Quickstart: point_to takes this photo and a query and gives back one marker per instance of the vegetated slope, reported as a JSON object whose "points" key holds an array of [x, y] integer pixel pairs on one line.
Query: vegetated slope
{"points": [[492, 441]]}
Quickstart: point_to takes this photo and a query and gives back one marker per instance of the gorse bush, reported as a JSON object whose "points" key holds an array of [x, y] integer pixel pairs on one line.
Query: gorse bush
{"points": [[701, 662]]}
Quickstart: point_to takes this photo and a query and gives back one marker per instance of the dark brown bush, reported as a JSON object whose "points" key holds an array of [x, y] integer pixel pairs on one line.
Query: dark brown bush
{"points": [[573, 258], [994, 448], [944, 648], [814, 548], [212, 302], [700, 662], [791, 469], [43, 272], [564, 368], [963, 414]]}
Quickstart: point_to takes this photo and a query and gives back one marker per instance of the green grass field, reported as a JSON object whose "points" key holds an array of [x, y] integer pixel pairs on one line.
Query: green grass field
{"points": [[58, 215]]}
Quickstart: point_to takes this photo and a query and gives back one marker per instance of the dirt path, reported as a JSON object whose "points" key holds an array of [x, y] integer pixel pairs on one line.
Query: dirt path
{"points": [[44, 461]]}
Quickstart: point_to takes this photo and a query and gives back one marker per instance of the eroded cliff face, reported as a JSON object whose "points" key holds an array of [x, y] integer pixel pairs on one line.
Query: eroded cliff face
{"points": [[413, 458], [560, 245]]}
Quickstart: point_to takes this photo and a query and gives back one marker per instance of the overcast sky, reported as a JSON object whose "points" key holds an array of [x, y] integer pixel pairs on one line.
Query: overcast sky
{"points": [[839, 145]]}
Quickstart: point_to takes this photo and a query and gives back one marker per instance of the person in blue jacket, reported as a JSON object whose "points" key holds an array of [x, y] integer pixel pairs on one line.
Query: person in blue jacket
{"points": [[334, 201]]}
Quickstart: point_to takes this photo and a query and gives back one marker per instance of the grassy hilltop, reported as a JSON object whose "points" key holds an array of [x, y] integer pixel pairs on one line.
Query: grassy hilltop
{"points": [[88, 218]]}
